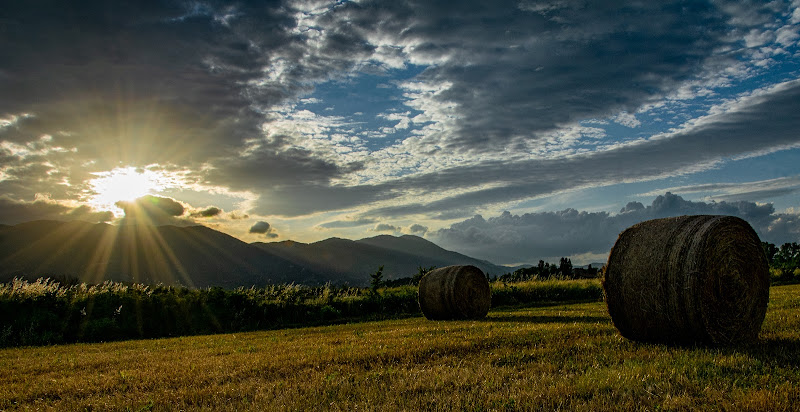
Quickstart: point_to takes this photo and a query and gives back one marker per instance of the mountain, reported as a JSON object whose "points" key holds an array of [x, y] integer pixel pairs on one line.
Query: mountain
{"points": [[192, 256], [352, 261], [198, 256]]}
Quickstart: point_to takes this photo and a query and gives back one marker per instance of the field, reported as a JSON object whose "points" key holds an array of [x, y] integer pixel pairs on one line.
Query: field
{"points": [[564, 356]]}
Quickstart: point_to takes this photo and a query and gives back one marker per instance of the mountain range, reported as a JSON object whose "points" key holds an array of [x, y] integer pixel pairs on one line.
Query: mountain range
{"points": [[197, 256]]}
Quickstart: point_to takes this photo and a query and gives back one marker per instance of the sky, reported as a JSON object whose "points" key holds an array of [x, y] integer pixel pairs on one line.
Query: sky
{"points": [[511, 131]]}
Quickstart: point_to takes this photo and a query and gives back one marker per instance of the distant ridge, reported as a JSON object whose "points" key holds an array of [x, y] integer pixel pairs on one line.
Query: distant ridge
{"points": [[191, 256], [353, 261], [198, 256]]}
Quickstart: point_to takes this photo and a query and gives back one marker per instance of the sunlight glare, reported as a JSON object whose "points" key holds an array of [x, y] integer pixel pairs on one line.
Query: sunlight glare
{"points": [[126, 184]]}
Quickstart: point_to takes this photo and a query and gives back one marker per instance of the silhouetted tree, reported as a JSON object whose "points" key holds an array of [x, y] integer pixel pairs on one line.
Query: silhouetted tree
{"points": [[421, 271], [376, 281], [565, 268]]}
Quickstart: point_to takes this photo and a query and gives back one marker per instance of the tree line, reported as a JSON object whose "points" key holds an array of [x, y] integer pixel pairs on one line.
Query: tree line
{"points": [[545, 270], [784, 261]]}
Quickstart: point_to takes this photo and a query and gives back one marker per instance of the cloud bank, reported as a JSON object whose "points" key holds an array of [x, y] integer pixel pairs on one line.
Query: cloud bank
{"points": [[532, 236]]}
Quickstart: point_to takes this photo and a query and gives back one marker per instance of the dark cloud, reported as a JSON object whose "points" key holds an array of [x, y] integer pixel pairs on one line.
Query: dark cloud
{"points": [[111, 73], [419, 229], [207, 212], [298, 200], [278, 164], [260, 227], [532, 236], [13, 212], [385, 227], [153, 210], [184, 83], [514, 69], [264, 228]]}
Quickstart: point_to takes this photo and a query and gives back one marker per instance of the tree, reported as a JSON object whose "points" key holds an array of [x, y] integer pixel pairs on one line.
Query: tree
{"points": [[376, 281], [421, 271], [565, 268], [769, 250], [787, 257]]}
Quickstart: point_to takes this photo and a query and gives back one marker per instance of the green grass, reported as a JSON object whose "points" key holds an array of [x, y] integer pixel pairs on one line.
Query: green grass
{"points": [[547, 357]]}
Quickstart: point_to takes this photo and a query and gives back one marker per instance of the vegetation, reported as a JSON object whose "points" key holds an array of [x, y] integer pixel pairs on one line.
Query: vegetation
{"points": [[50, 312], [784, 262], [47, 312], [545, 270], [545, 357]]}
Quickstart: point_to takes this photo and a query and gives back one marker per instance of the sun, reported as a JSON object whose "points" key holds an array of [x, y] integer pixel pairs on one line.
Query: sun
{"points": [[123, 183]]}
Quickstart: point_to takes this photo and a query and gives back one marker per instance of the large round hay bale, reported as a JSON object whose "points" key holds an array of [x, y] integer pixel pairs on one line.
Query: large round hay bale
{"points": [[454, 292], [688, 280]]}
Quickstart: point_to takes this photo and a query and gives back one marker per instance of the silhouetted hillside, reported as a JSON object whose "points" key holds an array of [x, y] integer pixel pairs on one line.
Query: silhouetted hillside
{"points": [[191, 256], [418, 246], [197, 256], [353, 261]]}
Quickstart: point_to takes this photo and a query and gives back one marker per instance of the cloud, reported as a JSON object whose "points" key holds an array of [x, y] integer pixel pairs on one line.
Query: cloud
{"points": [[147, 71], [575, 70], [385, 227], [159, 83], [263, 228], [479, 93], [43, 208], [489, 118], [752, 191], [725, 134], [338, 224], [417, 228], [153, 210], [532, 236], [260, 227], [207, 212]]}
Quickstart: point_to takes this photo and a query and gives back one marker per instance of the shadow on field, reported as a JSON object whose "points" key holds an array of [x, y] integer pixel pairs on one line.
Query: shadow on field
{"points": [[549, 319], [776, 351]]}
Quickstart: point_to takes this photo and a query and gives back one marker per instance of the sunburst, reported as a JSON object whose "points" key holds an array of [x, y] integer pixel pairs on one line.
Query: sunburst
{"points": [[124, 184]]}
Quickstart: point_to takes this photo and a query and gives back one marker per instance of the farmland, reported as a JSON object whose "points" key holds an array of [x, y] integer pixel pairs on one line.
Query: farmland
{"points": [[546, 356]]}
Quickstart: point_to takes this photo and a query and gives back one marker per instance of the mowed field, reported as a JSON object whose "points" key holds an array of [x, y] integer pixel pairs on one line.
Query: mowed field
{"points": [[548, 357]]}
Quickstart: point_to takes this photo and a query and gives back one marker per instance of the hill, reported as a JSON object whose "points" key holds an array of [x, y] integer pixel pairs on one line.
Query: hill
{"points": [[191, 256], [354, 260], [198, 256]]}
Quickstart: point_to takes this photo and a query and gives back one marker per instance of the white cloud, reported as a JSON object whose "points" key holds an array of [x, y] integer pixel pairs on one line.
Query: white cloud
{"points": [[627, 119], [787, 35]]}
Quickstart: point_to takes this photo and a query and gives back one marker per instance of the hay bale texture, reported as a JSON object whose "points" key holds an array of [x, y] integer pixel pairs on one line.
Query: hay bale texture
{"points": [[688, 280], [454, 292]]}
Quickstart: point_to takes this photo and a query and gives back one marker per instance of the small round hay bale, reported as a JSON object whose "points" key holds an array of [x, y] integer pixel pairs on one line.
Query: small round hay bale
{"points": [[454, 292], [688, 280]]}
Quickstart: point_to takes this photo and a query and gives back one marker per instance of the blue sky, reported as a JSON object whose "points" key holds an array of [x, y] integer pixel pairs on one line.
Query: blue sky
{"points": [[511, 131]]}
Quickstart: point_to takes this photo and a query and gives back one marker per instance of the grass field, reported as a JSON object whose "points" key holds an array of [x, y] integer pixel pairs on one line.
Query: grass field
{"points": [[548, 357]]}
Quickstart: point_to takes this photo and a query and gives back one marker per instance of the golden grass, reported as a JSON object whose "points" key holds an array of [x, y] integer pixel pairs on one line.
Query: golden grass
{"points": [[537, 358]]}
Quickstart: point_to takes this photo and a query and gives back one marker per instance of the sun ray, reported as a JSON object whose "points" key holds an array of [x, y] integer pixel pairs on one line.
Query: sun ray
{"points": [[97, 270], [160, 259]]}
